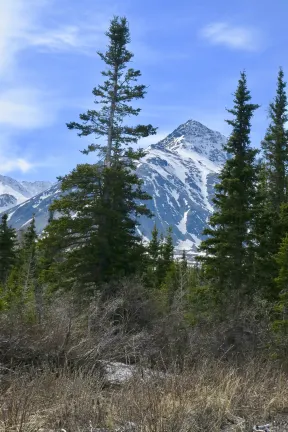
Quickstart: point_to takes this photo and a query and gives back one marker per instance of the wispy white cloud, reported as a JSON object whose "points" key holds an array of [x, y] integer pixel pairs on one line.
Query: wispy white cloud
{"points": [[21, 110], [81, 36], [18, 164], [19, 104], [11, 157], [23, 106], [232, 36], [17, 19], [26, 108], [20, 30]]}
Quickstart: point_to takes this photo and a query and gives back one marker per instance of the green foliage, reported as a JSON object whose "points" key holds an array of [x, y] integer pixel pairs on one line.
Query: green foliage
{"points": [[114, 97], [150, 273], [96, 238], [282, 261], [159, 258], [96, 235], [227, 249], [184, 262], [275, 147], [154, 245], [21, 283], [269, 228], [166, 256], [7, 249]]}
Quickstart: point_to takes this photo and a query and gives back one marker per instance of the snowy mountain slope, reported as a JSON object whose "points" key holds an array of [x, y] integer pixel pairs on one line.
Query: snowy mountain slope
{"points": [[179, 173], [36, 187], [20, 215], [13, 192]]}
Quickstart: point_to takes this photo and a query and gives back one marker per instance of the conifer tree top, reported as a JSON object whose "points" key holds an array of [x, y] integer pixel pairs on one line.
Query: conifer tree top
{"points": [[114, 97], [243, 112]]}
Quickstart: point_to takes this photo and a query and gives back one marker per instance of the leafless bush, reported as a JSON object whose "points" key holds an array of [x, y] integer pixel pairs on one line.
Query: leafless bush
{"points": [[68, 337], [132, 328]]}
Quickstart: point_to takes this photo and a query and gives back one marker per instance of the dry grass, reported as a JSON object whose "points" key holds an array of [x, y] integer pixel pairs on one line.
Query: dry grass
{"points": [[50, 376], [204, 399]]}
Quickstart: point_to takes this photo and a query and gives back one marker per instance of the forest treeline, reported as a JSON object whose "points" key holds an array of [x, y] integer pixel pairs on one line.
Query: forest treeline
{"points": [[91, 247]]}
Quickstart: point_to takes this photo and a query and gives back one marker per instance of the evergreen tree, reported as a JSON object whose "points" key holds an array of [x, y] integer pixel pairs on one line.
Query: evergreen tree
{"points": [[168, 249], [262, 232], [280, 323], [7, 249], [272, 193], [184, 262], [99, 210], [166, 257], [227, 249], [30, 238], [150, 273], [115, 95], [160, 258], [282, 260], [30, 264], [154, 246], [275, 146], [22, 281]]}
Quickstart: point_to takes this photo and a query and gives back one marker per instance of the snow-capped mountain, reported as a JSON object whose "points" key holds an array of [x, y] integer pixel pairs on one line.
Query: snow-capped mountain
{"points": [[13, 192], [179, 173]]}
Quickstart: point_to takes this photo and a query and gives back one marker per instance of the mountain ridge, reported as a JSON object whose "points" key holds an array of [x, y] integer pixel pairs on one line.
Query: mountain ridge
{"points": [[179, 172], [14, 192]]}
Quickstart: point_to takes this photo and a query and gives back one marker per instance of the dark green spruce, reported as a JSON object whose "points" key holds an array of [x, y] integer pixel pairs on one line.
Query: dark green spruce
{"points": [[270, 228], [229, 243], [275, 147], [114, 96], [22, 282], [8, 243], [96, 235]]}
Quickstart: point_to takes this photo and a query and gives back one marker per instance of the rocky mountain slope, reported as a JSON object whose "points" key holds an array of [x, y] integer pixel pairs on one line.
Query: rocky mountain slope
{"points": [[179, 173], [13, 192]]}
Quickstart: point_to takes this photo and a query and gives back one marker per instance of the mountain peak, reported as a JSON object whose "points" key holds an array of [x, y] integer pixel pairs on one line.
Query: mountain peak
{"points": [[14, 192], [192, 124], [195, 137]]}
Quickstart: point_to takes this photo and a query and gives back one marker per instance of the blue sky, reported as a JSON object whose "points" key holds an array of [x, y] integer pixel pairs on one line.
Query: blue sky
{"points": [[190, 54]]}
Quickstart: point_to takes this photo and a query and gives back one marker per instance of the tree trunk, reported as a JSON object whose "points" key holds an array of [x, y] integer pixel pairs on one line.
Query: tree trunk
{"points": [[111, 119]]}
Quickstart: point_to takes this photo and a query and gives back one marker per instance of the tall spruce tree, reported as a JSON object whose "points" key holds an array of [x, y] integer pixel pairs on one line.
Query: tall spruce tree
{"points": [[114, 96], [269, 226], [184, 262], [154, 246], [8, 243], [99, 210], [227, 249], [275, 146], [280, 323], [29, 256], [22, 281], [166, 258]]}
